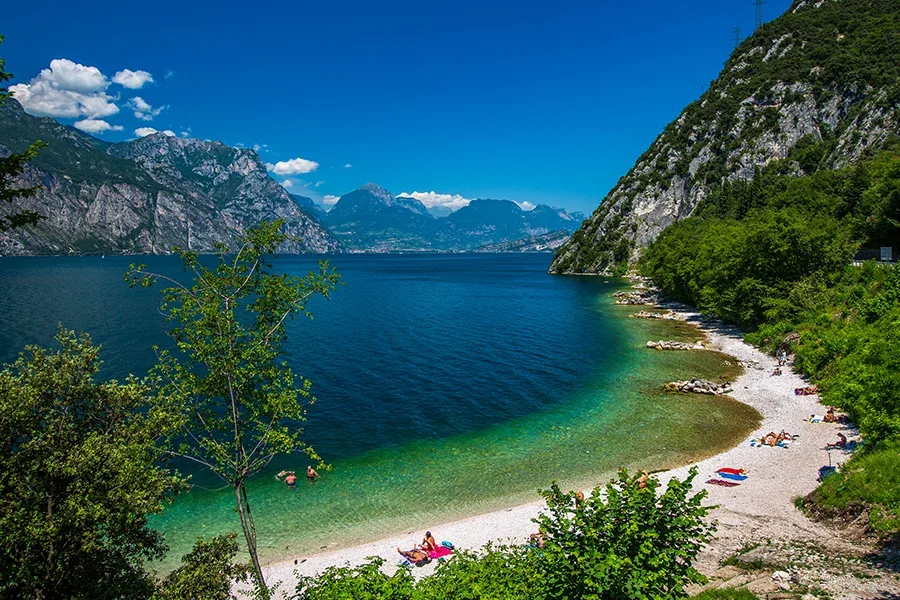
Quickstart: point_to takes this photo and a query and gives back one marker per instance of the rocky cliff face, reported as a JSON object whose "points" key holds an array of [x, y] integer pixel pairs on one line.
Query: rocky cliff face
{"points": [[824, 71], [144, 196]]}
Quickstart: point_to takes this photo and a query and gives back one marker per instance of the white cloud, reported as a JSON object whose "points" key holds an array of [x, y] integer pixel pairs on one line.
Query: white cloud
{"points": [[145, 131], [185, 134], [96, 126], [295, 166], [329, 200], [66, 89], [67, 75], [526, 206], [133, 80], [260, 148], [348, 166], [432, 199], [143, 110], [287, 183], [318, 183], [169, 74]]}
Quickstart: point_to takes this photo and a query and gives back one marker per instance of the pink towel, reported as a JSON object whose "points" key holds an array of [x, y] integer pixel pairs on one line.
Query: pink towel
{"points": [[441, 551]]}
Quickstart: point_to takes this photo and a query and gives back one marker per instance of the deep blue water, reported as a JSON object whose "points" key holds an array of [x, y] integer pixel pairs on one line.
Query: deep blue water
{"points": [[411, 347]]}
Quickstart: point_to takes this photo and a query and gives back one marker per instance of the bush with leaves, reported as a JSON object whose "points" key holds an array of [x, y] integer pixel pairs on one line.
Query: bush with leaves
{"points": [[79, 475], [207, 572], [625, 541]]}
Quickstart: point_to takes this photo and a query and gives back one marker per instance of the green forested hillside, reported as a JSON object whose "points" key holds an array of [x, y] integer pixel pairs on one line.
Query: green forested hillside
{"points": [[775, 255]]}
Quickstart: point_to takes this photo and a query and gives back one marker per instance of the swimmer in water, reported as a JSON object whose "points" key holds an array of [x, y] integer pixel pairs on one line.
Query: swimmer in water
{"points": [[311, 473], [291, 479]]}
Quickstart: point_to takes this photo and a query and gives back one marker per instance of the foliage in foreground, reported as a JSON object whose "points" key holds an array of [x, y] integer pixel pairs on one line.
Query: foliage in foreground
{"points": [[228, 397], [625, 541], [207, 572], [774, 256], [78, 478]]}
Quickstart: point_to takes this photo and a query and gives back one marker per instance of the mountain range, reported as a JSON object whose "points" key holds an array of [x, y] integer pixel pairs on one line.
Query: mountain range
{"points": [[153, 193]]}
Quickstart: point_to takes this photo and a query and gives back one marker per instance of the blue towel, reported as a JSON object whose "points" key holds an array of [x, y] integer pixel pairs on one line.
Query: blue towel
{"points": [[732, 476]]}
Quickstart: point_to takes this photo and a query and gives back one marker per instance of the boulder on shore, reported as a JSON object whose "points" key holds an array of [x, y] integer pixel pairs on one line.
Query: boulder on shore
{"points": [[665, 316], [699, 386]]}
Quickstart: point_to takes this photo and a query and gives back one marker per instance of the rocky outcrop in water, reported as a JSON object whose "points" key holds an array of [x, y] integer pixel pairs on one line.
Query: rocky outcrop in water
{"points": [[638, 298], [825, 72], [144, 196], [663, 316], [671, 345], [699, 386]]}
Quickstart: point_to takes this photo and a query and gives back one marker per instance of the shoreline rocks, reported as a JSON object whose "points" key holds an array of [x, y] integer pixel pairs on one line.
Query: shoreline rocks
{"points": [[699, 386], [670, 345], [665, 316], [638, 297]]}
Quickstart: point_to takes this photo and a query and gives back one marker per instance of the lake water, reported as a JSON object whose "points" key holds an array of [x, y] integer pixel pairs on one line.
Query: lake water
{"points": [[447, 385]]}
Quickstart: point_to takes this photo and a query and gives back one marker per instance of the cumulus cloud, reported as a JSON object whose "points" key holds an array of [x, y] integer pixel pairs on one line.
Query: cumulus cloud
{"points": [[133, 80], [66, 89], [348, 166], [145, 131], [96, 126], [525, 205], [287, 183], [432, 199], [295, 166], [185, 134], [330, 200], [143, 110], [260, 148]]}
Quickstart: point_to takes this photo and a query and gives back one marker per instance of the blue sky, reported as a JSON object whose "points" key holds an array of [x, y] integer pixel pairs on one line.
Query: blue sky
{"points": [[545, 102]]}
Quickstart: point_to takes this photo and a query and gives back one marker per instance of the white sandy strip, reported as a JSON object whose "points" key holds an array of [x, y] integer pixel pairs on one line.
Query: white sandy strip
{"points": [[761, 506]]}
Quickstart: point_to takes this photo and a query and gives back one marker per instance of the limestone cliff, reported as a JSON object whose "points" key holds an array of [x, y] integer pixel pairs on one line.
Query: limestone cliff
{"points": [[144, 196], [825, 70]]}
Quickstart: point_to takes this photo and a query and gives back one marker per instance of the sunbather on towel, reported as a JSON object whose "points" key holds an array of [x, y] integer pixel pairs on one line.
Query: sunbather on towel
{"points": [[414, 555], [428, 544], [842, 441]]}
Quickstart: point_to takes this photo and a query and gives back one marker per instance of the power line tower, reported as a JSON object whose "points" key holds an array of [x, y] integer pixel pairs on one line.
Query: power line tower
{"points": [[759, 13], [737, 37]]}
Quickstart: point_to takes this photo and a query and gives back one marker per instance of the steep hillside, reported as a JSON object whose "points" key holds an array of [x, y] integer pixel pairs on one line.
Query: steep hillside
{"points": [[826, 71], [143, 196]]}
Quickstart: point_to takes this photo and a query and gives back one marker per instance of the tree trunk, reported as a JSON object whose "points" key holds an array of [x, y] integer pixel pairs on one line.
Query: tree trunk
{"points": [[250, 535]]}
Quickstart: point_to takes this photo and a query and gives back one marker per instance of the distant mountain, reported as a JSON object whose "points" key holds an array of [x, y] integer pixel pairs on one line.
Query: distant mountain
{"points": [[546, 242], [371, 219], [485, 222], [308, 205], [145, 195]]}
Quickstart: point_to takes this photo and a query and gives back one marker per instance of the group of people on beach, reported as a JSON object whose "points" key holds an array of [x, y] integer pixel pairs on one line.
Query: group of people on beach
{"points": [[290, 477]]}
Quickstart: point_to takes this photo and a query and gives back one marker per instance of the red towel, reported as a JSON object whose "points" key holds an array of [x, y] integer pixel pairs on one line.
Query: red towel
{"points": [[730, 471], [440, 551]]}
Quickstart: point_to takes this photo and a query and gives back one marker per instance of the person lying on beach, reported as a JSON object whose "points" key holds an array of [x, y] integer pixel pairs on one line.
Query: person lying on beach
{"points": [[428, 544], [415, 555], [777, 371], [537, 539], [830, 417], [642, 480], [311, 473]]}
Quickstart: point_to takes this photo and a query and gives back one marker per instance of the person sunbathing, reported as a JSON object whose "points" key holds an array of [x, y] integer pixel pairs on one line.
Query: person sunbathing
{"points": [[415, 555], [428, 544], [830, 417], [777, 371], [770, 439], [841, 443], [537, 539]]}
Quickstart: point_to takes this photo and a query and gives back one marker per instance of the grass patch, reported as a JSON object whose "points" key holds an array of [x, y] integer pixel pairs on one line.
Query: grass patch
{"points": [[868, 483]]}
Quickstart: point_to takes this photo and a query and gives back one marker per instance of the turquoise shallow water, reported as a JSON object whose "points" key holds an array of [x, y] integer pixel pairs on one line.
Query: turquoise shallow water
{"points": [[447, 385]]}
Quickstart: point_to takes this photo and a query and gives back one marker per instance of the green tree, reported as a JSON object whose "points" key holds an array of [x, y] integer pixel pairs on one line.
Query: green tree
{"points": [[12, 166], [230, 400], [78, 478], [624, 542], [207, 572]]}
